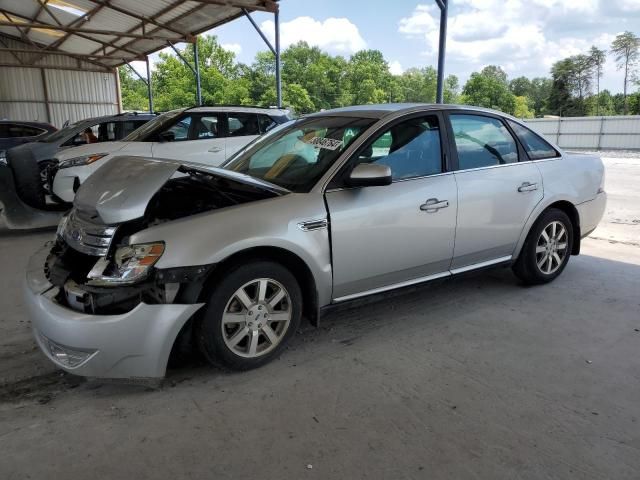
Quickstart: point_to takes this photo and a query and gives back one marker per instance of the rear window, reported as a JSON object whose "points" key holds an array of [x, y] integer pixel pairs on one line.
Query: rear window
{"points": [[16, 130], [536, 147]]}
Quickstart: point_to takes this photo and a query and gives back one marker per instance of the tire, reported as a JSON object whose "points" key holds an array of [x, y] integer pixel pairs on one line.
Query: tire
{"points": [[250, 321], [26, 174], [538, 261]]}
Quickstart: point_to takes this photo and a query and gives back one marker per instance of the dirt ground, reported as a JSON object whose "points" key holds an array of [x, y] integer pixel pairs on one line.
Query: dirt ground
{"points": [[475, 378]]}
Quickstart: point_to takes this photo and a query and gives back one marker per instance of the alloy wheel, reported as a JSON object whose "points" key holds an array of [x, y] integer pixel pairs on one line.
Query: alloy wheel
{"points": [[256, 317], [552, 247]]}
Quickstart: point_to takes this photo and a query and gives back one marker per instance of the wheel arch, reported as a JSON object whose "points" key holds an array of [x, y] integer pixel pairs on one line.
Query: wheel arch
{"points": [[572, 212], [286, 258], [565, 206]]}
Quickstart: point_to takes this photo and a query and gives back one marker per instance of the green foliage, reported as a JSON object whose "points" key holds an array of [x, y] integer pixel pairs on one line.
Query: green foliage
{"points": [[522, 108], [313, 80], [489, 89], [133, 90]]}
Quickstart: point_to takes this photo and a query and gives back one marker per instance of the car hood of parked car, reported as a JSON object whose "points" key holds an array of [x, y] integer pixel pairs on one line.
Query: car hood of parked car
{"points": [[91, 149], [125, 187]]}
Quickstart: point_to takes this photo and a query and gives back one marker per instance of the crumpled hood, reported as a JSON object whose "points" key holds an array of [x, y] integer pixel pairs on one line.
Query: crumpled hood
{"points": [[91, 149], [121, 189]]}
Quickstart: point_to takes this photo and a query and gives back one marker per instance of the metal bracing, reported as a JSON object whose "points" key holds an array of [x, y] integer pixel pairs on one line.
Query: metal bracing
{"points": [[195, 69], [146, 81], [275, 50], [149, 34], [443, 5]]}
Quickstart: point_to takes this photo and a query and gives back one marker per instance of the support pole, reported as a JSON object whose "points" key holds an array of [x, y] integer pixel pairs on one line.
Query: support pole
{"points": [[276, 16], [443, 5], [275, 51], [197, 72], [149, 89]]}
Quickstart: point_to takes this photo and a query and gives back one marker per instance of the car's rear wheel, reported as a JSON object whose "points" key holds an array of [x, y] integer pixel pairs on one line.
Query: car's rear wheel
{"points": [[251, 315], [547, 249]]}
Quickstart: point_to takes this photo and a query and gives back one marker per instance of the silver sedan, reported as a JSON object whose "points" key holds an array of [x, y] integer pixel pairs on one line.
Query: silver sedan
{"points": [[324, 210]]}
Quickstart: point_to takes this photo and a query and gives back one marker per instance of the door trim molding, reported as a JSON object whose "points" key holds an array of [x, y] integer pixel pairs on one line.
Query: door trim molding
{"points": [[475, 266], [393, 286], [428, 278]]}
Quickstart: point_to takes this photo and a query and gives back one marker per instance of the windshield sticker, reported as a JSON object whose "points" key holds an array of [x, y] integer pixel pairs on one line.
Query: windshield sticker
{"points": [[327, 143]]}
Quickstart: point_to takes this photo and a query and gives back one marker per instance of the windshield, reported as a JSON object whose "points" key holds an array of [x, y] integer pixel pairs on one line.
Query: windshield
{"points": [[297, 154], [156, 125], [65, 132]]}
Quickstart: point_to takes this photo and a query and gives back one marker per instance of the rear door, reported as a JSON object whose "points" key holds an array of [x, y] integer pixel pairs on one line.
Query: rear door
{"points": [[387, 235], [197, 137], [498, 188], [243, 127]]}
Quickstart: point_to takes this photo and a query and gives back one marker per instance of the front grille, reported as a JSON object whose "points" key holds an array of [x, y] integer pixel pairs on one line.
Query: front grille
{"points": [[87, 237]]}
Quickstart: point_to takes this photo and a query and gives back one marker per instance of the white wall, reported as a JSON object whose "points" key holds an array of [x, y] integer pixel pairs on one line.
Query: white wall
{"points": [[54, 89], [593, 133]]}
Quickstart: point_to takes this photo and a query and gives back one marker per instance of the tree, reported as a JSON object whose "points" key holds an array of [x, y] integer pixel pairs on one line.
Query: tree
{"points": [[496, 72], [521, 109], [520, 86], [133, 91], [571, 83], [486, 89], [626, 48], [597, 58]]}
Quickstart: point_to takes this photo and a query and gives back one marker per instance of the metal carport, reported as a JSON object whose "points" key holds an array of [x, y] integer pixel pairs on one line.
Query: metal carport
{"points": [[59, 57]]}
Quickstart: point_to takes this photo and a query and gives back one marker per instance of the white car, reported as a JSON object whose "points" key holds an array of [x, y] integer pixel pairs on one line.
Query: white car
{"points": [[206, 135]]}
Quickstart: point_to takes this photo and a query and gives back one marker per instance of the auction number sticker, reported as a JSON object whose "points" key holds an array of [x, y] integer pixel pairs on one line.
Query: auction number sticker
{"points": [[327, 143]]}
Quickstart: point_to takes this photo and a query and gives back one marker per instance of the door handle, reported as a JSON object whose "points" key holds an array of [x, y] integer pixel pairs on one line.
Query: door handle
{"points": [[215, 149], [527, 187], [433, 205]]}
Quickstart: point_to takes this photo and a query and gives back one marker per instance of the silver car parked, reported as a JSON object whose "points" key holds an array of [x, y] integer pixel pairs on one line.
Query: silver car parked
{"points": [[329, 208]]}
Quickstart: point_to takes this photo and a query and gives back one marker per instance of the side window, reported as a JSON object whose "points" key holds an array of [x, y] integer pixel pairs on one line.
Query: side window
{"points": [[4, 130], [266, 123], [84, 136], [411, 149], [207, 126], [24, 131], [534, 145], [107, 132], [242, 124], [482, 141], [129, 126], [177, 132]]}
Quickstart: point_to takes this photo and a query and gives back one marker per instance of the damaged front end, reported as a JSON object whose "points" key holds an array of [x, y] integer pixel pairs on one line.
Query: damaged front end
{"points": [[103, 295], [99, 271]]}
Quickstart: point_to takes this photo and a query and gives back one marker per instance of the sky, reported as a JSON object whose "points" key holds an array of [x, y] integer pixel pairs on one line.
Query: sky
{"points": [[524, 37]]}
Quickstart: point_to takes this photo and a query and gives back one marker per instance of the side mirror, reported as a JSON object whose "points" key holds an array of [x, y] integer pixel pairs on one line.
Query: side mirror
{"points": [[369, 175], [167, 136]]}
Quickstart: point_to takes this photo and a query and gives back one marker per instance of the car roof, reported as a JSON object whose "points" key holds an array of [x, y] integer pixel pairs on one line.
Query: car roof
{"points": [[240, 109], [382, 110]]}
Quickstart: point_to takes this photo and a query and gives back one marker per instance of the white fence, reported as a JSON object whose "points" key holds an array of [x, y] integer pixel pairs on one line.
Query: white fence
{"points": [[592, 133]]}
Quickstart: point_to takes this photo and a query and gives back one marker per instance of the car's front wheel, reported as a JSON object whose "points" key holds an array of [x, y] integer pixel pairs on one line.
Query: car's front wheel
{"points": [[547, 249], [252, 313]]}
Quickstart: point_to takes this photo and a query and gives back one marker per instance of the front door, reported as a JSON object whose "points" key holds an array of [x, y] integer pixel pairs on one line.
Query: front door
{"points": [[498, 188], [401, 233]]}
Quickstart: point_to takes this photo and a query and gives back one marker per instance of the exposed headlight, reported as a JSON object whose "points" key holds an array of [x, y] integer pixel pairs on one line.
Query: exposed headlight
{"points": [[130, 264], [84, 160], [3, 156]]}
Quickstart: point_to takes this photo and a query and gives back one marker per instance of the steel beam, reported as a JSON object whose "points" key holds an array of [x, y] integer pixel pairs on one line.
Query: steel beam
{"points": [[443, 5], [276, 16], [196, 61]]}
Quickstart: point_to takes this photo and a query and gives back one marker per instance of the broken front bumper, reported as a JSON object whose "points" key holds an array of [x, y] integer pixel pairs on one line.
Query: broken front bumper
{"points": [[135, 344], [16, 213]]}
